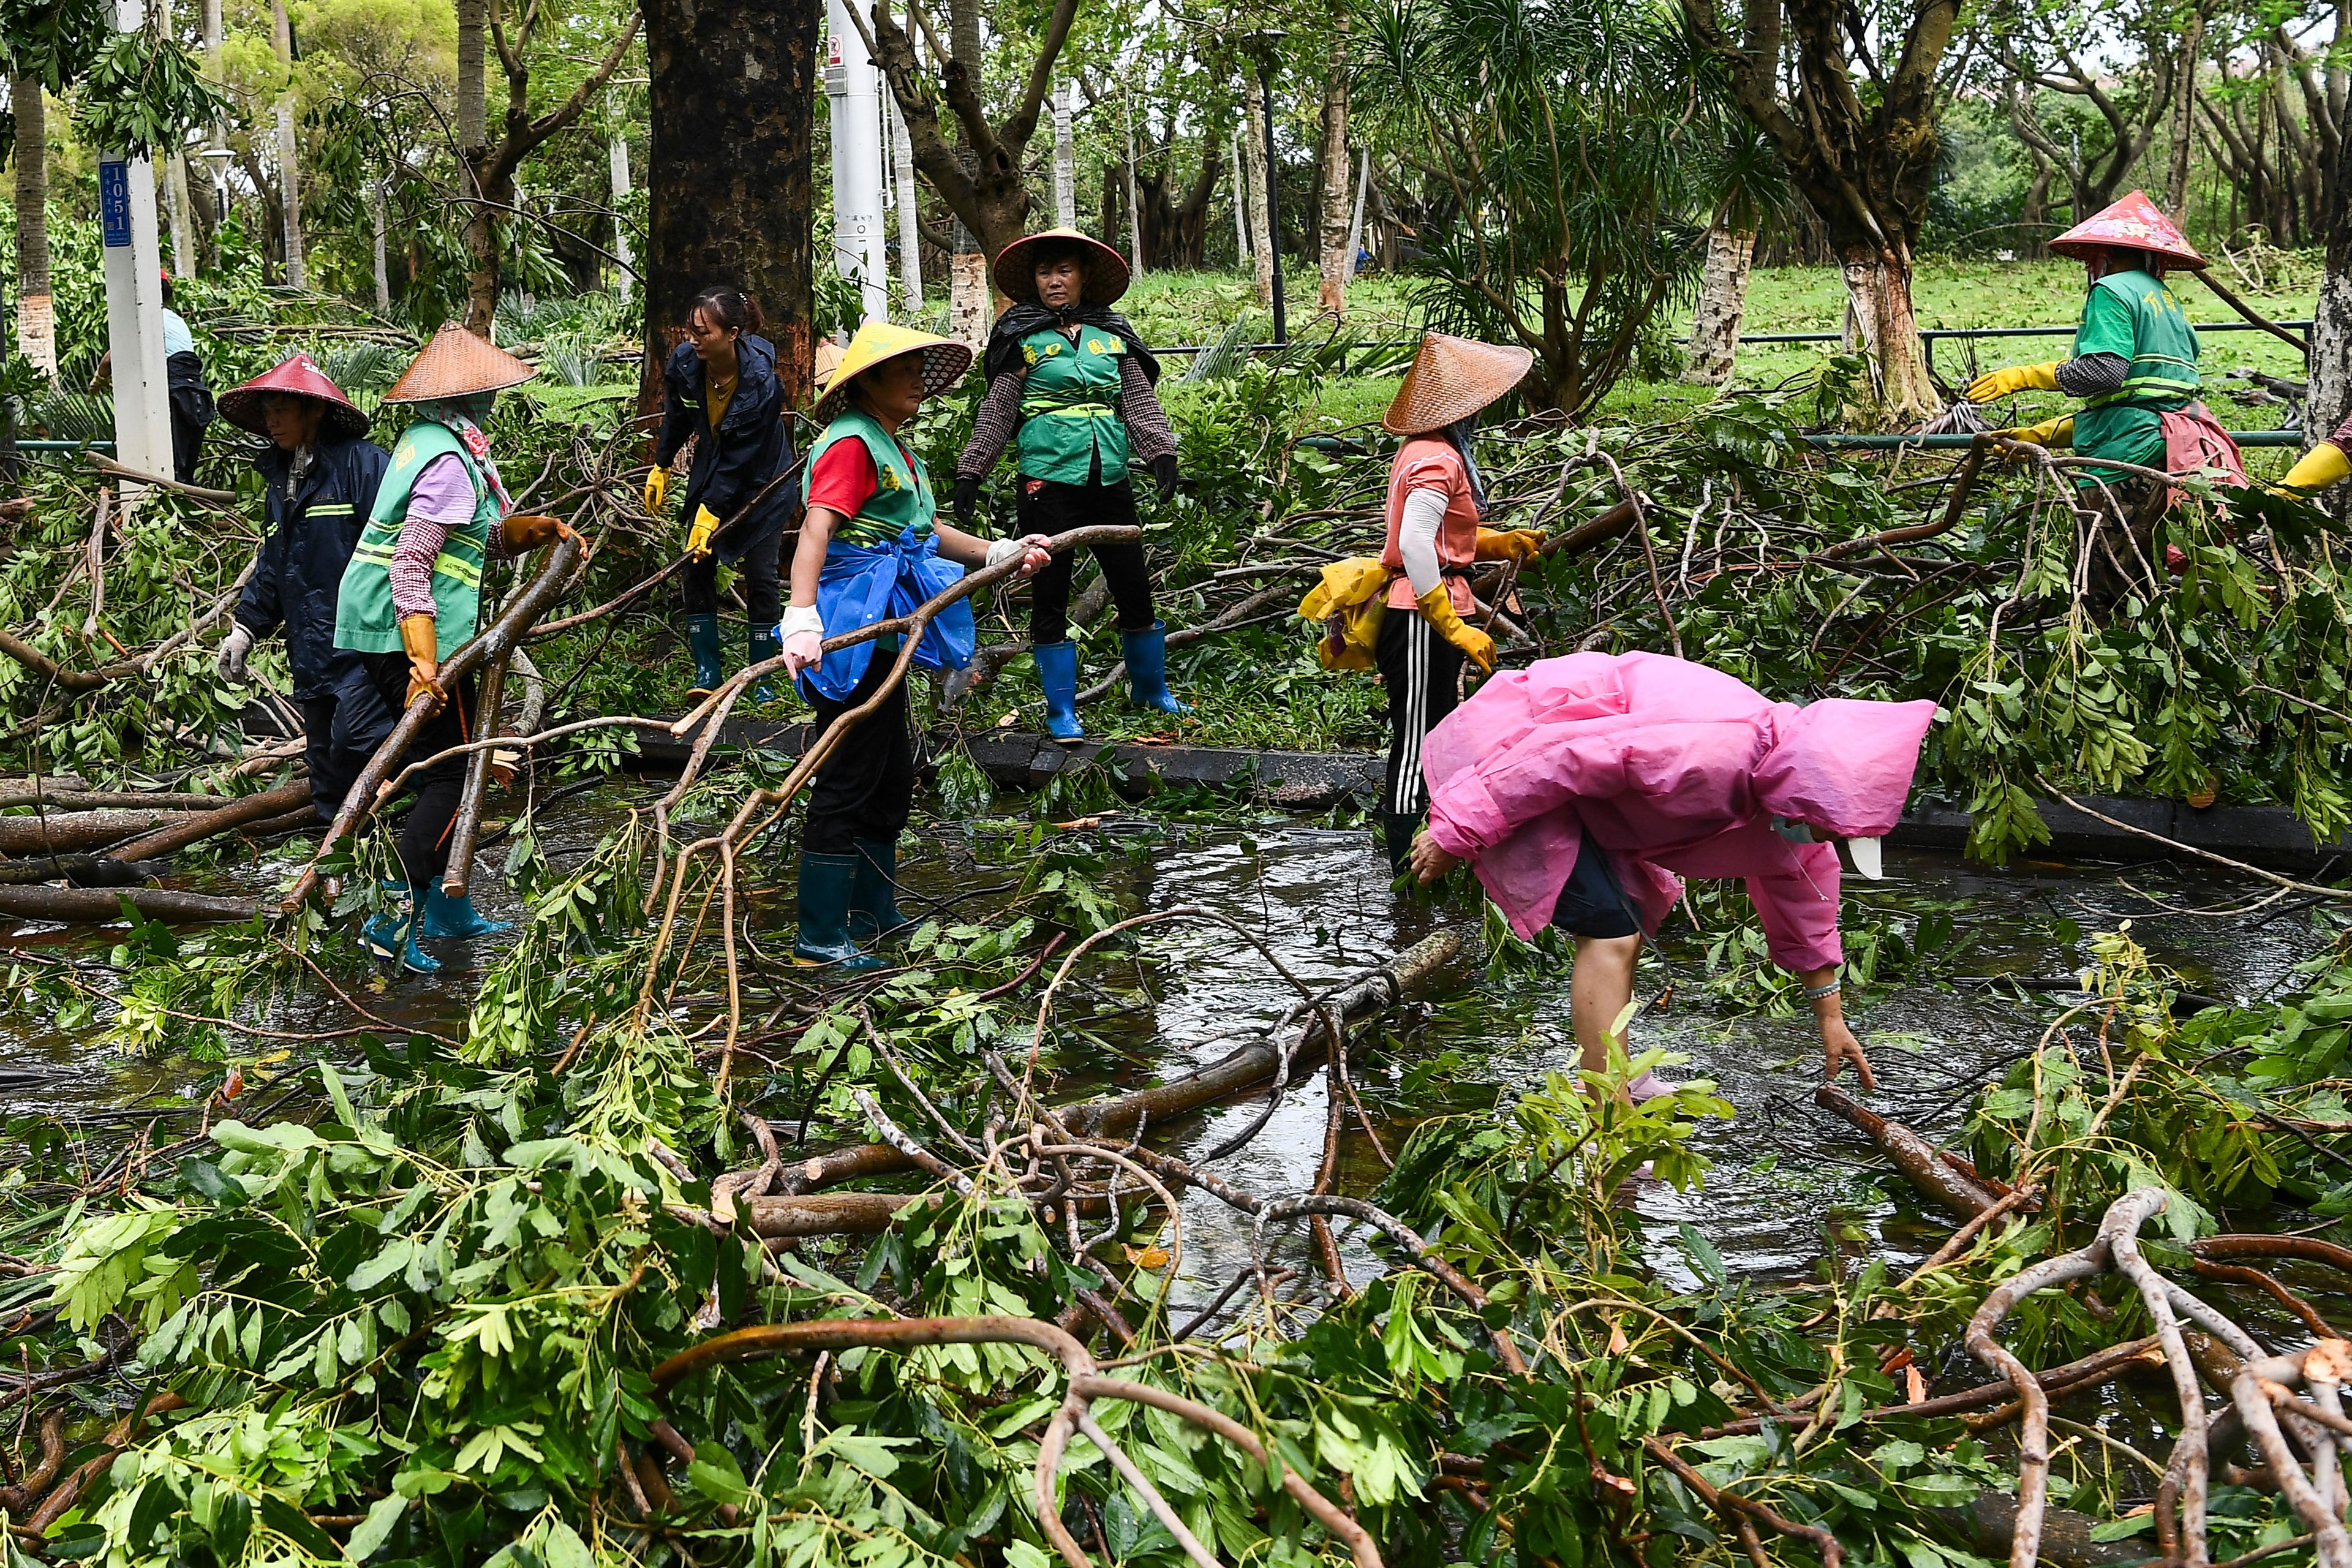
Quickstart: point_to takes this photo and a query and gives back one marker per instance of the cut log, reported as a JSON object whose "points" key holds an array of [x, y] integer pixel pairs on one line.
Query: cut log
{"points": [[100, 906], [58, 833], [1914, 1155], [1248, 1064], [81, 870], [1990, 1522], [79, 799], [23, 792], [236, 814], [829, 1213]]}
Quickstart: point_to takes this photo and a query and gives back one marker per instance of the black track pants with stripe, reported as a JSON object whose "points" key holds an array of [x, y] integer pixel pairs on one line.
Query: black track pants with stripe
{"points": [[1424, 673]]}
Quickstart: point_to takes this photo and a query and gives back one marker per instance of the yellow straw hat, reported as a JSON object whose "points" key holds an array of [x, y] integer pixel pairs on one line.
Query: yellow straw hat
{"points": [[456, 364], [1451, 378], [828, 360], [944, 362], [1015, 271]]}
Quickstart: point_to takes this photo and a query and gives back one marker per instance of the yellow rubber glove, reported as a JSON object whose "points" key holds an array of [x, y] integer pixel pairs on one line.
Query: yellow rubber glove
{"points": [[2316, 469], [1438, 607], [2058, 432], [1519, 544], [1995, 383], [418, 638], [656, 488], [697, 539]]}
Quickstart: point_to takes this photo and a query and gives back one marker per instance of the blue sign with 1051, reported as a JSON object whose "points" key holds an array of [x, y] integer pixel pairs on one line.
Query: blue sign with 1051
{"points": [[114, 201]]}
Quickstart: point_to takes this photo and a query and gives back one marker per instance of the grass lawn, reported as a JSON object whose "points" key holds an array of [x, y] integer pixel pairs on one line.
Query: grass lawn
{"points": [[1188, 307]]}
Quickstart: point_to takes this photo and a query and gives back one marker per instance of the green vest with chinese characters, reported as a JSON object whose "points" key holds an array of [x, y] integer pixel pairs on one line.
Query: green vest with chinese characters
{"points": [[902, 491], [1069, 408], [365, 619], [2135, 315]]}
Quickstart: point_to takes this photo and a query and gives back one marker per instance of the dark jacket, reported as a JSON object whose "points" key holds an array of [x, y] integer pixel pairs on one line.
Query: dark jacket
{"points": [[310, 537], [752, 446]]}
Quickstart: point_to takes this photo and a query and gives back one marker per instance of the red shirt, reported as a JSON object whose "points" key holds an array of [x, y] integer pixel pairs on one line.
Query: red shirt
{"points": [[844, 478]]}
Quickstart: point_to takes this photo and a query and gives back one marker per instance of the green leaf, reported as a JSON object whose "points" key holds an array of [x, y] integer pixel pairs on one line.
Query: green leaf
{"points": [[370, 1534]]}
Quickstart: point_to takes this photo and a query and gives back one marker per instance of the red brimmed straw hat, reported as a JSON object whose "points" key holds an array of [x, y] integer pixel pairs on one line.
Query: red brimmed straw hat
{"points": [[296, 375], [1016, 266], [456, 364], [2133, 223], [1451, 378]]}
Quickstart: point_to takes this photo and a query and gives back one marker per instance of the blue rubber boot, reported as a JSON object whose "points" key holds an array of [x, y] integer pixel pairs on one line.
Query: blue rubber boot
{"points": [[393, 937], [824, 937], [702, 636], [874, 892], [445, 916], [764, 647], [1146, 669], [1057, 672]]}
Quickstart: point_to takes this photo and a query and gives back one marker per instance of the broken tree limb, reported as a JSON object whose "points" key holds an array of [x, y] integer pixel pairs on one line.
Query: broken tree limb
{"points": [[62, 833], [1914, 1155], [1248, 1064], [465, 827], [238, 812], [98, 905], [81, 870]]}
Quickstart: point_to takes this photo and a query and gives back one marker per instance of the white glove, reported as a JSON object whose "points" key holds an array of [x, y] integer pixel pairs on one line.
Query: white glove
{"points": [[230, 665], [1033, 545], [802, 633]]}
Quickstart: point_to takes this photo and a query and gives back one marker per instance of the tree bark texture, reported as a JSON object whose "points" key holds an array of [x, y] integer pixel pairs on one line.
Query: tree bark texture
{"points": [[1176, 232], [2176, 182], [37, 316], [980, 175], [1337, 260], [727, 173], [1065, 155], [472, 86], [1254, 159], [970, 311], [2331, 318], [1864, 166], [289, 176], [1722, 304]]}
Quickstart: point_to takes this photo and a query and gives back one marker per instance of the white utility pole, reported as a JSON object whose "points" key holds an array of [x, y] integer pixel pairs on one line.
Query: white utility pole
{"points": [[1065, 155], [217, 152], [134, 296], [849, 84], [619, 147], [289, 180], [910, 232]]}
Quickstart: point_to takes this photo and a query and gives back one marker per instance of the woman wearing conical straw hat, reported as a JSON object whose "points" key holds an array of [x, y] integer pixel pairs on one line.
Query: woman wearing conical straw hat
{"points": [[413, 594], [1436, 497], [1071, 380], [871, 547]]}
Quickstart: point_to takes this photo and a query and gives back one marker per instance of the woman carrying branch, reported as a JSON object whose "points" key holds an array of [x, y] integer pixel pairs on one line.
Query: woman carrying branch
{"points": [[1073, 382], [2135, 366], [1436, 497], [318, 478], [871, 547], [721, 387], [412, 596], [1581, 789]]}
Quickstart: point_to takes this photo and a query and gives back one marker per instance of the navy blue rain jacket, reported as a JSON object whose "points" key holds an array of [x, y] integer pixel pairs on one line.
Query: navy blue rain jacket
{"points": [[751, 448], [312, 533]]}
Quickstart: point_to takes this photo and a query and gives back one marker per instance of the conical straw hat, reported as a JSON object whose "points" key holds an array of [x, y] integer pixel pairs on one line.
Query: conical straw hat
{"points": [[2133, 223], [1451, 378], [1016, 268], [296, 375], [456, 364], [944, 362], [828, 360]]}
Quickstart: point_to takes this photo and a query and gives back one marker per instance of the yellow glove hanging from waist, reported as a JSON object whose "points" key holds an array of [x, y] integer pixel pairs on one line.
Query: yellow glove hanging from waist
{"points": [[2014, 378], [1519, 544], [697, 539], [2058, 432], [1437, 607], [1351, 600], [2322, 466], [419, 639]]}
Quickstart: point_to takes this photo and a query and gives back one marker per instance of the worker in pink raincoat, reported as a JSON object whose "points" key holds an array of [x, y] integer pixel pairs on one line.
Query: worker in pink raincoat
{"points": [[1581, 789]]}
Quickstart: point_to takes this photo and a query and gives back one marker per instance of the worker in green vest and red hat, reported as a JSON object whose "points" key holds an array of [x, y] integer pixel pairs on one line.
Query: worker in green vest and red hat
{"points": [[413, 594], [2134, 360], [1073, 383]]}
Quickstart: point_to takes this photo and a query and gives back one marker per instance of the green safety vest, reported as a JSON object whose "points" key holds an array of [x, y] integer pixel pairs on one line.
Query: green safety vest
{"points": [[1069, 408], [902, 495], [365, 619], [2134, 314]]}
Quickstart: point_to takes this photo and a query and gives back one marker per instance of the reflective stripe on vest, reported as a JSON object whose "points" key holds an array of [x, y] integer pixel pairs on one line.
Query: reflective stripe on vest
{"points": [[2152, 375], [449, 563]]}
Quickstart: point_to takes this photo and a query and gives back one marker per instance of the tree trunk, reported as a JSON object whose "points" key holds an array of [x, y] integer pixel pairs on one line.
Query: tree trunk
{"points": [[910, 230], [1337, 260], [969, 302], [484, 244], [1254, 156], [289, 177], [473, 88], [1241, 204], [616, 159], [2176, 181], [1722, 302], [1880, 316], [728, 170], [383, 271], [2331, 318], [37, 315], [1066, 155]]}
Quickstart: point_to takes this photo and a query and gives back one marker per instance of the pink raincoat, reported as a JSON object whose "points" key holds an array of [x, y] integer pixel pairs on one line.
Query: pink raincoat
{"points": [[1675, 770]]}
